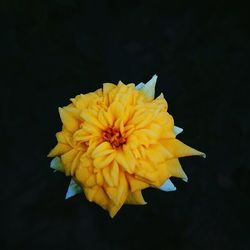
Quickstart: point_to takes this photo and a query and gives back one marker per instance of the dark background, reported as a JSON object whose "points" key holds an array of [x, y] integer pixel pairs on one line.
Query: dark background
{"points": [[53, 50]]}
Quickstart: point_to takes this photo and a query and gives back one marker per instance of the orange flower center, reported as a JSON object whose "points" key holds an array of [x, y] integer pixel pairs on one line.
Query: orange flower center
{"points": [[114, 137]]}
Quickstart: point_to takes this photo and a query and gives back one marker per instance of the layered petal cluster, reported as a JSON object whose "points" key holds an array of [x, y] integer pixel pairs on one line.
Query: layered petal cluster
{"points": [[117, 141]]}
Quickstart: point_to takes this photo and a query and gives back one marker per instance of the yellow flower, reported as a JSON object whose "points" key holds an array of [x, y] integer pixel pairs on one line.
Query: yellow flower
{"points": [[117, 141]]}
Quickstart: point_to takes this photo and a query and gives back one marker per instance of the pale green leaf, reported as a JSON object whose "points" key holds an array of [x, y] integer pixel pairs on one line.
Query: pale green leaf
{"points": [[168, 186], [73, 189], [56, 164], [149, 88]]}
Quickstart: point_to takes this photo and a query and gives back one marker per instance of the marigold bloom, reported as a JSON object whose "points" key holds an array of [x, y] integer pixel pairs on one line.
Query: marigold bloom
{"points": [[117, 141]]}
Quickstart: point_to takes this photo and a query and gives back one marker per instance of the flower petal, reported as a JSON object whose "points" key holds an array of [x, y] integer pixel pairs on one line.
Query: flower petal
{"points": [[114, 172], [179, 149], [168, 186], [90, 192], [107, 87], [82, 175], [73, 189], [121, 195], [101, 198], [175, 169], [107, 176], [100, 148], [68, 120], [59, 149], [87, 116], [75, 163], [125, 160], [136, 184], [135, 198], [67, 160], [104, 161]]}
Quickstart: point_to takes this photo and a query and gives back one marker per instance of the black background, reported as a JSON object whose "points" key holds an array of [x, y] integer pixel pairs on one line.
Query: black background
{"points": [[53, 50]]}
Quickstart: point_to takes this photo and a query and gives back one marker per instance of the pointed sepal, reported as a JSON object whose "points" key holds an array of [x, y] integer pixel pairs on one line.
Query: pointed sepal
{"points": [[148, 88], [56, 164], [140, 85], [177, 130], [168, 186], [73, 189]]}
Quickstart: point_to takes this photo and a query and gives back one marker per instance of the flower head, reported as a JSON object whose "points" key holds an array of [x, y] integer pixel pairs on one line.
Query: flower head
{"points": [[117, 141]]}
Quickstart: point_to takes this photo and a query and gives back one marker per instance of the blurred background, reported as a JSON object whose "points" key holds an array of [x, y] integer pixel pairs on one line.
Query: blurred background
{"points": [[52, 50]]}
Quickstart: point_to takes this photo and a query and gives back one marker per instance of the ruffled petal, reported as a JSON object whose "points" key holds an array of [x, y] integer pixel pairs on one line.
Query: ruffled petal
{"points": [[135, 198], [68, 120], [59, 149], [175, 169], [120, 196], [179, 149]]}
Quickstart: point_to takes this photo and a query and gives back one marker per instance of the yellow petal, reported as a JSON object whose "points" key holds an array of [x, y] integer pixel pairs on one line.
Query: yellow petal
{"points": [[103, 153], [135, 198], [86, 161], [157, 153], [132, 141], [162, 174], [90, 192], [175, 169], [92, 146], [149, 176], [161, 103], [59, 149], [73, 111], [100, 148], [129, 158], [104, 161], [123, 160], [114, 172], [82, 174], [121, 196], [179, 149], [68, 120], [99, 179], [75, 163], [88, 128], [142, 137], [146, 119], [107, 176], [62, 137], [108, 117], [80, 135], [102, 118], [91, 181], [116, 108], [90, 118], [101, 198], [99, 92], [107, 87], [67, 160], [136, 184], [112, 194]]}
